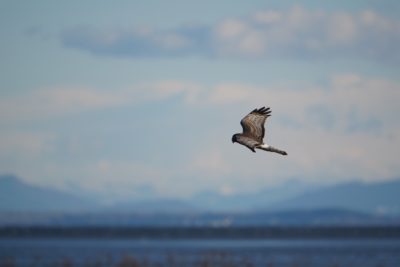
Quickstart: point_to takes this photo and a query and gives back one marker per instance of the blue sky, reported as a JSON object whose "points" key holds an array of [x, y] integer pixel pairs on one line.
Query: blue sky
{"points": [[125, 96]]}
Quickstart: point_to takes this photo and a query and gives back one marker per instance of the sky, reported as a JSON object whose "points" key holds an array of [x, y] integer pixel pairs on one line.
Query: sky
{"points": [[125, 98]]}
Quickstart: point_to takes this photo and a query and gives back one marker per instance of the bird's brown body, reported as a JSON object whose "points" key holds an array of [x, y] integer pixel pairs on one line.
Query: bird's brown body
{"points": [[254, 131]]}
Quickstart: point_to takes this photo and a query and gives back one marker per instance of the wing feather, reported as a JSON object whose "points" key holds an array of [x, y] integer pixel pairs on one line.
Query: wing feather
{"points": [[247, 141], [253, 123]]}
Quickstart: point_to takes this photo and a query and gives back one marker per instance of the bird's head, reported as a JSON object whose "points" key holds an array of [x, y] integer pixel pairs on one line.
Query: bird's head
{"points": [[234, 138]]}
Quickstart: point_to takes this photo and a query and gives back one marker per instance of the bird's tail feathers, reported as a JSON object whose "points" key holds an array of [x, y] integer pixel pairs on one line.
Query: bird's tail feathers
{"points": [[272, 149]]}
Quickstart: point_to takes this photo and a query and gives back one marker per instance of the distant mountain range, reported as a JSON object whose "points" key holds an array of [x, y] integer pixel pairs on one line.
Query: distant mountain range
{"points": [[373, 198], [377, 198], [264, 198], [18, 196]]}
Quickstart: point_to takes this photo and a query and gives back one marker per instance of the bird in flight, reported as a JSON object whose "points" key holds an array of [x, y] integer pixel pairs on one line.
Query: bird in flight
{"points": [[254, 131]]}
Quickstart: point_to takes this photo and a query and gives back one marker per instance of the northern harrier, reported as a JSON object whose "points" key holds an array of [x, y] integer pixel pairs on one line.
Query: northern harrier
{"points": [[253, 131]]}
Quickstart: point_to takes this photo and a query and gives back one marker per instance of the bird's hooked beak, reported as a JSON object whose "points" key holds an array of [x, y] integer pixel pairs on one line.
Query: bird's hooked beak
{"points": [[233, 138]]}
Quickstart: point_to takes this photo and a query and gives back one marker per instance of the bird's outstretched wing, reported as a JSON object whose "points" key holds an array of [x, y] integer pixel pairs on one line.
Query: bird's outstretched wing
{"points": [[249, 142], [253, 123]]}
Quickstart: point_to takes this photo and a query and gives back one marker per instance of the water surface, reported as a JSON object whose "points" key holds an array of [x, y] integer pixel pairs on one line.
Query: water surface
{"points": [[272, 253]]}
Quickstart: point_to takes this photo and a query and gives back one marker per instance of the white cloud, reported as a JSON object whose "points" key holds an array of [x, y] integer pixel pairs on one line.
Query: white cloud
{"points": [[230, 93], [55, 102], [299, 32], [294, 33], [342, 29], [372, 98], [231, 29], [165, 89]]}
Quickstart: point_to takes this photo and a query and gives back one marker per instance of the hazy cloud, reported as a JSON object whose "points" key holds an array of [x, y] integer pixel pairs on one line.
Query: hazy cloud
{"points": [[46, 103], [348, 99], [137, 42], [348, 103], [296, 33], [55, 102], [25, 145], [347, 128]]}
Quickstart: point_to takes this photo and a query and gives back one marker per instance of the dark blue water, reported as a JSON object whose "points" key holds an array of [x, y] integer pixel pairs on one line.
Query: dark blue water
{"points": [[138, 253]]}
